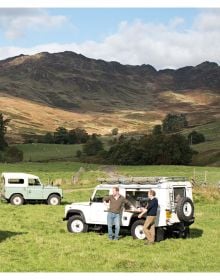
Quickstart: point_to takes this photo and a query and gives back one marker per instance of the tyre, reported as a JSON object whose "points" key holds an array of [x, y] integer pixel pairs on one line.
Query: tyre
{"points": [[17, 199], [185, 209], [137, 230], [76, 224], [53, 199]]}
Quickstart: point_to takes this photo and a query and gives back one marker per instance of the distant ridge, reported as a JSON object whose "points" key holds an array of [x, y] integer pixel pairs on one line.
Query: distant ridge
{"points": [[112, 94]]}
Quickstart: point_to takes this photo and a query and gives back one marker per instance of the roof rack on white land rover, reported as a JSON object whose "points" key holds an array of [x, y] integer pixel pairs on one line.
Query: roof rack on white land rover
{"points": [[141, 180]]}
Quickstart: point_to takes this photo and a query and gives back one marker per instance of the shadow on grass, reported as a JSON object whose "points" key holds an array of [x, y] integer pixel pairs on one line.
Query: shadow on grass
{"points": [[8, 234], [195, 233]]}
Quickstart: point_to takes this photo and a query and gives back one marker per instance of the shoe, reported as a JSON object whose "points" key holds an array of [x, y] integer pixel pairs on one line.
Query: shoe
{"points": [[149, 243]]}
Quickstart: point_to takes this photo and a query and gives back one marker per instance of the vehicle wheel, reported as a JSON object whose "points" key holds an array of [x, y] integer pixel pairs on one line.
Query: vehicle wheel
{"points": [[17, 199], [160, 234], [53, 199], [137, 230], [76, 224], [185, 209]]}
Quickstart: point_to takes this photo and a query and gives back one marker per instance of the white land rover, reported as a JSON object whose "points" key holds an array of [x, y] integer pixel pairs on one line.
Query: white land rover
{"points": [[174, 216]]}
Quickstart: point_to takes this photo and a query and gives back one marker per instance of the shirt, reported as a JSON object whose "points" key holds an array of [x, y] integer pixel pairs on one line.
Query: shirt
{"points": [[152, 207], [116, 205]]}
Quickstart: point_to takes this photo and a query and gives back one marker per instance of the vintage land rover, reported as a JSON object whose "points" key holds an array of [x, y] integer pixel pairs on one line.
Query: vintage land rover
{"points": [[175, 212], [17, 188]]}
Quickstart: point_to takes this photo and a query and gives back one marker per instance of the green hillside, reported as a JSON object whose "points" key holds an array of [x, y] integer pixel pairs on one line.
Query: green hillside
{"points": [[209, 151]]}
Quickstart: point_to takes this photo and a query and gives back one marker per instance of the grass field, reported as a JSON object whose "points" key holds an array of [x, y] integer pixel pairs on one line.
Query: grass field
{"points": [[37, 152], [34, 238], [209, 151]]}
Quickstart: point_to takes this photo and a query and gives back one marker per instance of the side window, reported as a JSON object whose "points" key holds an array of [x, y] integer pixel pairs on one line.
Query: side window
{"points": [[99, 195], [137, 198], [33, 182], [178, 193], [16, 181]]}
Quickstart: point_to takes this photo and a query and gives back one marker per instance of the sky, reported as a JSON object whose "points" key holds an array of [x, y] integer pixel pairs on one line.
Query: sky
{"points": [[161, 37]]}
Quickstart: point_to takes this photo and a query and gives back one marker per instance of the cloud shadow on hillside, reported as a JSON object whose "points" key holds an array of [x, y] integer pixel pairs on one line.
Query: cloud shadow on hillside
{"points": [[8, 234]]}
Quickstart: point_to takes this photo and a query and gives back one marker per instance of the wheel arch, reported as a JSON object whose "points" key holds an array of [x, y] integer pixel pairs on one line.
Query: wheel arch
{"points": [[15, 194], [133, 219], [54, 193], [75, 212]]}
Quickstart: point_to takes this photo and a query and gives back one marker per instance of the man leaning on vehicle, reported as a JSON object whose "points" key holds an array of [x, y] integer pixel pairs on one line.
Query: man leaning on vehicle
{"points": [[149, 225]]}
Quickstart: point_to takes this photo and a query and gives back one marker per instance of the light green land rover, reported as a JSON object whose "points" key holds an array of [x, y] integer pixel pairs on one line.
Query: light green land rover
{"points": [[17, 188]]}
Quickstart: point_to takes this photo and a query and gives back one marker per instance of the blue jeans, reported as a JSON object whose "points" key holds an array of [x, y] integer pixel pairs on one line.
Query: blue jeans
{"points": [[113, 219]]}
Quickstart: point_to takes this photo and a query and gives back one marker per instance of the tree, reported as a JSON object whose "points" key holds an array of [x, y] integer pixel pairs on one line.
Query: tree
{"points": [[3, 130], [195, 137], [93, 146], [78, 136], [13, 154], [48, 138], [115, 131], [152, 149], [174, 123], [157, 130], [61, 136]]}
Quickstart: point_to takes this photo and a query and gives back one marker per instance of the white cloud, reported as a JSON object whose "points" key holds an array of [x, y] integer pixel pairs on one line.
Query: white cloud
{"points": [[16, 22], [147, 43]]}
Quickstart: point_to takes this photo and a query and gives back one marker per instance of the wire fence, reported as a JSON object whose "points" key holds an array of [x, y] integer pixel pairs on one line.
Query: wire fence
{"points": [[204, 179]]}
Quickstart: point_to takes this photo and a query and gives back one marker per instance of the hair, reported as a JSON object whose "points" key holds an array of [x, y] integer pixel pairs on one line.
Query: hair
{"points": [[116, 188], [152, 192]]}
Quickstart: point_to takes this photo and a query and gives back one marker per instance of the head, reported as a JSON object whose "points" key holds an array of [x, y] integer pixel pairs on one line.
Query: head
{"points": [[151, 194], [115, 190]]}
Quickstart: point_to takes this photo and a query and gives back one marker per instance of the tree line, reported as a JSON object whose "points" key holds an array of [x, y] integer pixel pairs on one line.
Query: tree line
{"points": [[163, 146], [65, 136]]}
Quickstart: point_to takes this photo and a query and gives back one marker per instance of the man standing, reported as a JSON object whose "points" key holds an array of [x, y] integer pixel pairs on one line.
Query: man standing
{"points": [[116, 203], [149, 225]]}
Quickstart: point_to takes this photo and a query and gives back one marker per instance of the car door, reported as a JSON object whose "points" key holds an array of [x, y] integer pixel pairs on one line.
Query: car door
{"points": [[98, 210], [34, 189]]}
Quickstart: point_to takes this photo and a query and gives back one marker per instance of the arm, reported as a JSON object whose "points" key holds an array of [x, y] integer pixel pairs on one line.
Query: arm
{"points": [[106, 199], [144, 210]]}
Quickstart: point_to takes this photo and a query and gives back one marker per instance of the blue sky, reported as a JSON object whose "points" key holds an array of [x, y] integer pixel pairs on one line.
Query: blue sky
{"points": [[162, 37], [90, 24]]}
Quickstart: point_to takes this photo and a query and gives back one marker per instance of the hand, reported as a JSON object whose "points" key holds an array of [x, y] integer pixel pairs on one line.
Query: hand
{"points": [[139, 216]]}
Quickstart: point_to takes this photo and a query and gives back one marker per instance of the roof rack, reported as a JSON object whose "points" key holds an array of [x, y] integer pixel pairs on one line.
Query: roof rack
{"points": [[140, 180]]}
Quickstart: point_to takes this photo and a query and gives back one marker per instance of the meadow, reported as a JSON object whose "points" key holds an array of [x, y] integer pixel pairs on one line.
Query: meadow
{"points": [[34, 238]]}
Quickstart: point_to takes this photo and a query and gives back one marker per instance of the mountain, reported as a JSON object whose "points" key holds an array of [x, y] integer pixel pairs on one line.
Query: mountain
{"points": [[44, 91]]}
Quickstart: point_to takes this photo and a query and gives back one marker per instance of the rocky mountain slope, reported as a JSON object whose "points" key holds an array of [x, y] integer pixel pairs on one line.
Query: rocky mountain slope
{"points": [[43, 91]]}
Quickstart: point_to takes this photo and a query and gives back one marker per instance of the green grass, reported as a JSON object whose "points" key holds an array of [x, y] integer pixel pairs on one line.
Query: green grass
{"points": [[200, 173], [209, 151], [34, 238], [47, 152]]}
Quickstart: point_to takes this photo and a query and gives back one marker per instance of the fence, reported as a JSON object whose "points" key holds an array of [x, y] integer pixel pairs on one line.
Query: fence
{"points": [[203, 179]]}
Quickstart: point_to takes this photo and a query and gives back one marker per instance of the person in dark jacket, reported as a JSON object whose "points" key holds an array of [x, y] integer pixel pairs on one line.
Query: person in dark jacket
{"points": [[151, 210]]}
